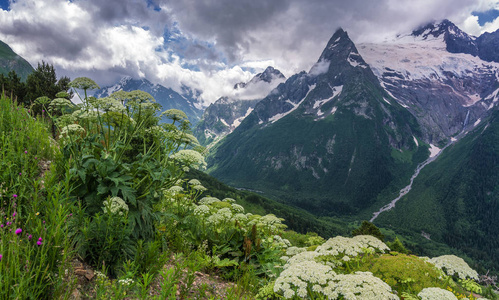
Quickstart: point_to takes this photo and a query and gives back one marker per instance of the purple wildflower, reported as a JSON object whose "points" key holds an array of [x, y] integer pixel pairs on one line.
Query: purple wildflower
{"points": [[30, 237], [39, 243], [18, 231]]}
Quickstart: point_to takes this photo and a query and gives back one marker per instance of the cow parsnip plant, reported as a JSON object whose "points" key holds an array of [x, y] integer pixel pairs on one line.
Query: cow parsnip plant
{"points": [[117, 149]]}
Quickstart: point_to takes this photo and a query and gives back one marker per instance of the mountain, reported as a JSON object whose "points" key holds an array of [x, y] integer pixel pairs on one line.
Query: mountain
{"points": [[488, 46], [9, 61], [428, 73], [224, 115], [167, 97], [269, 75], [455, 199], [329, 140], [221, 118]]}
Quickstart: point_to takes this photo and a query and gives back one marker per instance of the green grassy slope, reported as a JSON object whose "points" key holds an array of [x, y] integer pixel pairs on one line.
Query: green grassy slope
{"points": [[296, 219], [456, 198], [9, 60]]}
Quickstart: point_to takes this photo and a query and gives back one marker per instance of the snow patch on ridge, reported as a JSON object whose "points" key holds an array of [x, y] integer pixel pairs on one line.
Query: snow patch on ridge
{"points": [[477, 122], [238, 121], [318, 103], [415, 141], [295, 106]]}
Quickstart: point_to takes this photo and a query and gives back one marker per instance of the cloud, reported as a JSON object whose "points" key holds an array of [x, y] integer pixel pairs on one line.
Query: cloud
{"points": [[320, 67], [208, 45]]}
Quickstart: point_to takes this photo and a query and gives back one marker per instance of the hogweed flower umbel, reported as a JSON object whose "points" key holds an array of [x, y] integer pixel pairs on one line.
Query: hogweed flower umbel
{"points": [[435, 293], [454, 265]]}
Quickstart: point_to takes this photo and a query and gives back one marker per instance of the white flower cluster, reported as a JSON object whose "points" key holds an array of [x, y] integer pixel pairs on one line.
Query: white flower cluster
{"points": [[202, 210], [302, 257], [127, 281], [291, 251], [453, 265], [174, 114], [65, 120], [352, 246], [221, 216], [283, 243], [108, 104], [241, 218], [60, 104], [189, 139], [116, 205], [269, 223], [298, 277], [72, 129], [190, 158], [237, 208], [361, 285], [208, 200], [335, 252], [157, 131], [194, 182], [87, 115], [435, 293], [175, 190]]}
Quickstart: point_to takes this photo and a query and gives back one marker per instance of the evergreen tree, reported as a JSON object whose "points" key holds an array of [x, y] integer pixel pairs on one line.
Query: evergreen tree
{"points": [[13, 86], [43, 82], [368, 228]]}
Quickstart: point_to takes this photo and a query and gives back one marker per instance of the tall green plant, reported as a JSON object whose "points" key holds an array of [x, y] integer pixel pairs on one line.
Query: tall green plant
{"points": [[116, 147], [35, 252]]}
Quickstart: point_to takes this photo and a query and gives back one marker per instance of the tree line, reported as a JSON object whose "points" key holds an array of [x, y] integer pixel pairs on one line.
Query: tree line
{"points": [[41, 82]]}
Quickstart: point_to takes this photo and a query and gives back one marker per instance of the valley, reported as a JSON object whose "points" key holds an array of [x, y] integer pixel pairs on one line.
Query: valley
{"points": [[194, 162]]}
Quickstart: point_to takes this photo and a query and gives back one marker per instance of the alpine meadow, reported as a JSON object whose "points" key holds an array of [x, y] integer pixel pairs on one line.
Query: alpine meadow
{"points": [[201, 171]]}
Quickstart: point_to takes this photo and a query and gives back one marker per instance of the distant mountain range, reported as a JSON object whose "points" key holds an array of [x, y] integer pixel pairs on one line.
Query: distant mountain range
{"points": [[344, 138], [10, 61], [167, 97], [225, 114]]}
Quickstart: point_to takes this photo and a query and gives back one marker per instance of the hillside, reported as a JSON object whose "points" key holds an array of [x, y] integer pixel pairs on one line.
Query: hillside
{"points": [[455, 199], [10, 61]]}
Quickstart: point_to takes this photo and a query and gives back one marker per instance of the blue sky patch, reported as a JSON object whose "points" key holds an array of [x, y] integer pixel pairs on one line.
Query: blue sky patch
{"points": [[4, 4], [486, 16]]}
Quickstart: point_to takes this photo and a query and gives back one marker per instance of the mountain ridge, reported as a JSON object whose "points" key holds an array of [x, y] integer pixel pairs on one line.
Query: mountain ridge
{"points": [[10, 61], [333, 124]]}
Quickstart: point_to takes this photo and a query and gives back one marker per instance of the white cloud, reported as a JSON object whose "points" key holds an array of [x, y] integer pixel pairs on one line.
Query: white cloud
{"points": [[320, 67], [219, 42]]}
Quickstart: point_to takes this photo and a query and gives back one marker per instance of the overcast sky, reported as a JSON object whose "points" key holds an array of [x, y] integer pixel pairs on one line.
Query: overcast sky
{"points": [[211, 44]]}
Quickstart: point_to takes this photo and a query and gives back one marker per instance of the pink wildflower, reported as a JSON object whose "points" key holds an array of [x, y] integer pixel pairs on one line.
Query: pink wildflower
{"points": [[18, 231]]}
